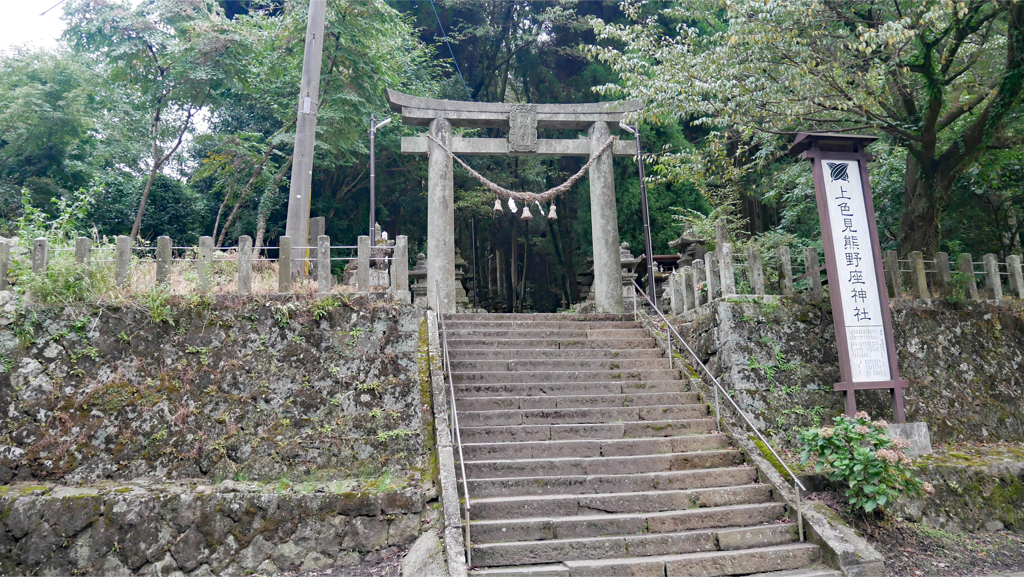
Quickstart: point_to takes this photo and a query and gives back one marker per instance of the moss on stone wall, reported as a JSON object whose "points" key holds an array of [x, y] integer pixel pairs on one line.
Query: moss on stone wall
{"points": [[223, 388]]}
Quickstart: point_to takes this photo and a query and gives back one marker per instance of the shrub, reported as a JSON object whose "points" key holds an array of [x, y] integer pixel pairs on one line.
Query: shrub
{"points": [[861, 453]]}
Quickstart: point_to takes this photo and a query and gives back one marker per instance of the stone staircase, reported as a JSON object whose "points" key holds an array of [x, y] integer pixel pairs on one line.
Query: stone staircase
{"points": [[587, 455]]}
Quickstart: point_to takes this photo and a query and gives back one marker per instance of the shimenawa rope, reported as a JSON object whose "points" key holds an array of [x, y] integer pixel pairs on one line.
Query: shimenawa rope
{"points": [[527, 197]]}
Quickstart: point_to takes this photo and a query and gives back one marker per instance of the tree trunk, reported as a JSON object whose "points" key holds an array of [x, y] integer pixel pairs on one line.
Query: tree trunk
{"points": [[145, 192], [921, 208]]}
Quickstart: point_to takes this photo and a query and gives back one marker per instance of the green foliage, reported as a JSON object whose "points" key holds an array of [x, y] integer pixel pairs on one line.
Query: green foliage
{"points": [[861, 454], [65, 281], [157, 302]]}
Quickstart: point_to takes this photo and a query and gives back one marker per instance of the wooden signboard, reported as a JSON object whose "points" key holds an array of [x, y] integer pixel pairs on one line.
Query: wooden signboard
{"points": [[853, 260]]}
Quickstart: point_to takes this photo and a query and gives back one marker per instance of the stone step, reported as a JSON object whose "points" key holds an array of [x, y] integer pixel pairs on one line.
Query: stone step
{"points": [[568, 334], [477, 403], [524, 342], [632, 482], [457, 354], [495, 377], [515, 325], [525, 363], [589, 317], [593, 448], [805, 572], [702, 564], [570, 388], [629, 430], [597, 415], [492, 508], [574, 527], [505, 468], [622, 546]]}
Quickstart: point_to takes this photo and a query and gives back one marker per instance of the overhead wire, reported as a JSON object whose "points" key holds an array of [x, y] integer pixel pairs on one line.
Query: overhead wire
{"points": [[445, 36]]}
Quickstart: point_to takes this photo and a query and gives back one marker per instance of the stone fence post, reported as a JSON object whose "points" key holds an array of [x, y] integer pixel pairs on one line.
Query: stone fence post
{"points": [[918, 276], [891, 269], [244, 265], [163, 260], [698, 277], [323, 263], [400, 269], [711, 262], [1016, 275], [675, 293], [728, 273], [284, 264], [83, 249], [363, 264], [812, 270], [993, 284], [755, 269], [203, 265], [40, 255], [965, 265], [785, 271], [317, 228], [122, 260], [684, 283], [943, 278], [5, 262]]}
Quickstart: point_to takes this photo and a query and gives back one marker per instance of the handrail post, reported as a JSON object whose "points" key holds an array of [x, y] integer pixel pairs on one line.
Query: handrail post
{"points": [[799, 513]]}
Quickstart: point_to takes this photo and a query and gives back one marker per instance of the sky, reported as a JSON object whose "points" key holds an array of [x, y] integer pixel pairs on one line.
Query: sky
{"points": [[22, 23]]}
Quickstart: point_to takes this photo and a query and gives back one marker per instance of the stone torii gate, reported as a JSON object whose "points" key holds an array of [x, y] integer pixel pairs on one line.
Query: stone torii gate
{"points": [[522, 120]]}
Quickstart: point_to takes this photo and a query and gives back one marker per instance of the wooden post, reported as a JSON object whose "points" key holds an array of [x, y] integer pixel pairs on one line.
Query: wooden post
{"points": [[728, 274], [244, 265], [812, 269], [711, 262], [40, 255], [205, 262], [163, 260], [918, 276], [122, 260], [993, 283], [943, 278], [5, 262], [284, 264], [83, 249], [965, 264], [698, 277], [893, 279], [684, 283], [323, 262], [1016, 275], [785, 271], [755, 269], [363, 258], [297, 224]]}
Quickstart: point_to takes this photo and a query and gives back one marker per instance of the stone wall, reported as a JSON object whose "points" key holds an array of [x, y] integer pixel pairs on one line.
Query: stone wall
{"points": [[203, 530], [964, 361], [212, 436]]}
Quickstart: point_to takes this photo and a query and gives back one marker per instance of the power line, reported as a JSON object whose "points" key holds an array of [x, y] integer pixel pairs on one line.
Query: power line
{"points": [[445, 36], [52, 7]]}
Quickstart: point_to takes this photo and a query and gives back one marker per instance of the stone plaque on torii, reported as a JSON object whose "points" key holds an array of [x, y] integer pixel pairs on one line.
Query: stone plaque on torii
{"points": [[522, 122]]}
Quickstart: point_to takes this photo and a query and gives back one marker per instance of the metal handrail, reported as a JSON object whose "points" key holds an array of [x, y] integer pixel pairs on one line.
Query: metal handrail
{"points": [[447, 364], [797, 485]]}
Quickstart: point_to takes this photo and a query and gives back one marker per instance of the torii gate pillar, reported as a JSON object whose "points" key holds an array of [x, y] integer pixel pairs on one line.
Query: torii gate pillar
{"points": [[440, 219], [604, 223], [522, 122]]}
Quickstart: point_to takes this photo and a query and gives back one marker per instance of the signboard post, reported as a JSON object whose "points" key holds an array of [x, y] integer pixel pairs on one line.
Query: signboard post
{"points": [[853, 261]]}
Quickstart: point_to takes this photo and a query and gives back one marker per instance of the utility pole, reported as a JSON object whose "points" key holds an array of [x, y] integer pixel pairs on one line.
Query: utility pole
{"points": [[305, 136], [373, 176], [651, 267]]}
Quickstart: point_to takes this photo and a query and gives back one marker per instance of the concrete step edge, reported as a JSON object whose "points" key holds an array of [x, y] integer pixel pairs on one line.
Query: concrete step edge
{"points": [[595, 459], [615, 516], [515, 498], [513, 444], [648, 423], [501, 544]]}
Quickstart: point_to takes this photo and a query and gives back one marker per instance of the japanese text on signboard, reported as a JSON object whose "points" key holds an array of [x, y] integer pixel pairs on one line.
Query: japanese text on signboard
{"points": [[855, 262]]}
